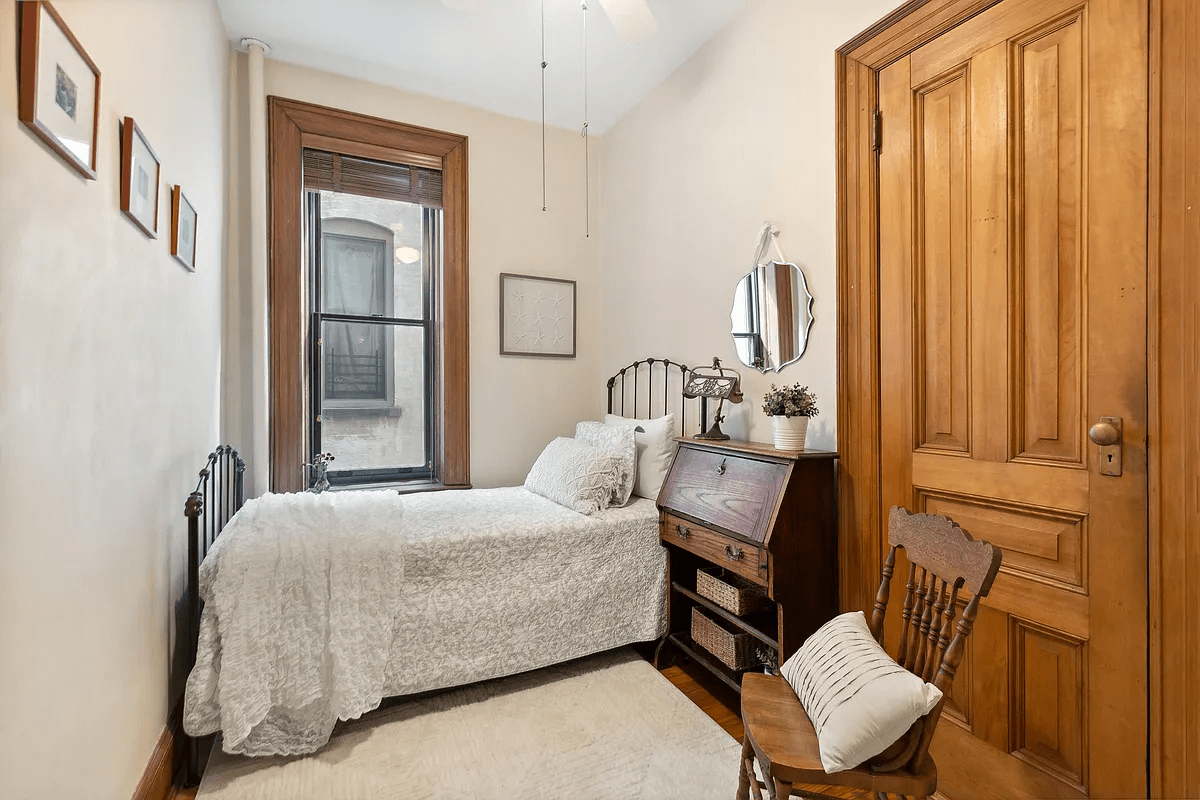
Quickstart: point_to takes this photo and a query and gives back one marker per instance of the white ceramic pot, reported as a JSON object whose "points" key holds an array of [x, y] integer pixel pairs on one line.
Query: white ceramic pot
{"points": [[789, 432]]}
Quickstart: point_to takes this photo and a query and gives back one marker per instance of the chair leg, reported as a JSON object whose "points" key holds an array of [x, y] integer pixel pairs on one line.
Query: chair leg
{"points": [[745, 770], [748, 781], [743, 792], [783, 790]]}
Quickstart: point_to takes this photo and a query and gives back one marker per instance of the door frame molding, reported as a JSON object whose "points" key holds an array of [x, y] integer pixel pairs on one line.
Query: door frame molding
{"points": [[1173, 312], [1173, 296]]}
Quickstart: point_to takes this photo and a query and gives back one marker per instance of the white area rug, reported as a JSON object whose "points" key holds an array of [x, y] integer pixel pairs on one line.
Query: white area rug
{"points": [[607, 726]]}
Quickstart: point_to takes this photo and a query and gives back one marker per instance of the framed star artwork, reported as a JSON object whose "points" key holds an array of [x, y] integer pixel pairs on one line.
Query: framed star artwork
{"points": [[537, 316]]}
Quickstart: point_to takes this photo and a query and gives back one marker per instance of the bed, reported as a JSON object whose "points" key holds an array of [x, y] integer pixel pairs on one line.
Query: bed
{"points": [[315, 607]]}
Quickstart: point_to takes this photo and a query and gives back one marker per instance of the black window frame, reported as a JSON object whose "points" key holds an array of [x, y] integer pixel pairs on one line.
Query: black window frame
{"points": [[431, 263]]}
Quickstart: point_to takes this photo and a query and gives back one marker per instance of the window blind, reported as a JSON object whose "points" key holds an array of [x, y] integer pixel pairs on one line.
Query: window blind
{"points": [[338, 173]]}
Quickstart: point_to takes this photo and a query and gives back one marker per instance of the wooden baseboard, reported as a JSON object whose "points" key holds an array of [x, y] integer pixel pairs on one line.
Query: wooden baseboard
{"points": [[157, 781]]}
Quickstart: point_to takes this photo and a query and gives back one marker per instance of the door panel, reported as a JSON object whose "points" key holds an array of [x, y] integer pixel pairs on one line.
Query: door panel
{"points": [[1012, 202], [942, 414], [1039, 545], [1048, 699], [1050, 310]]}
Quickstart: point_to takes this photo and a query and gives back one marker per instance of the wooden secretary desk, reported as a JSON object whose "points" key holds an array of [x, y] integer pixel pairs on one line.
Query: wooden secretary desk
{"points": [[767, 515]]}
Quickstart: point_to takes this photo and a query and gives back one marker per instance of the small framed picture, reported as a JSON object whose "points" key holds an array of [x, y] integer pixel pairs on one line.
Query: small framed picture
{"points": [[59, 95], [139, 178], [537, 316], [183, 229]]}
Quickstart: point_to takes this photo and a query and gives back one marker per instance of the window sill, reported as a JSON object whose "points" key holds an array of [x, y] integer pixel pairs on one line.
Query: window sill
{"points": [[361, 412], [403, 487]]}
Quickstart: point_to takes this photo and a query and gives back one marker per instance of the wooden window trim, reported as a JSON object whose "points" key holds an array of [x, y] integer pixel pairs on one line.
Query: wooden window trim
{"points": [[292, 125]]}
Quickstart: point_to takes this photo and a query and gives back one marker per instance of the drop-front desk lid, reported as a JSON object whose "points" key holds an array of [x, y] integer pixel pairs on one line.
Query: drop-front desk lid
{"points": [[730, 485]]}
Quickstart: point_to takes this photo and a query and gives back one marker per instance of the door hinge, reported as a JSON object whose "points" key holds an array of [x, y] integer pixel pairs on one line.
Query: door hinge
{"points": [[877, 131]]}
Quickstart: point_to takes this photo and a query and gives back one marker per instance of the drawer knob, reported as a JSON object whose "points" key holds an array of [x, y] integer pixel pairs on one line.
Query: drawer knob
{"points": [[682, 532], [721, 469], [733, 553]]}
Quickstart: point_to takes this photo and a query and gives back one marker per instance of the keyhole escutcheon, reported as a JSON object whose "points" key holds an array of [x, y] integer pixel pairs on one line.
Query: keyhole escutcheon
{"points": [[1108, 433]]}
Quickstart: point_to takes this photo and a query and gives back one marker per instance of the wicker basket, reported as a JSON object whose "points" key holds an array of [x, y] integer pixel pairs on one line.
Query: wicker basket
{"points": [[731, 592], [735, 649]]}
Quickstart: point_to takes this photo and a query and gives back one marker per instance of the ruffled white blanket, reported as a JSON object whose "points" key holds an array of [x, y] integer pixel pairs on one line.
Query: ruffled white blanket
{"points": [[318, 606], [300, 594]]}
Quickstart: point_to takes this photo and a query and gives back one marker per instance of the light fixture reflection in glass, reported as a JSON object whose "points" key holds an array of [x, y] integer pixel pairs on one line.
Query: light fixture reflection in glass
{"points": [[409, 255]]}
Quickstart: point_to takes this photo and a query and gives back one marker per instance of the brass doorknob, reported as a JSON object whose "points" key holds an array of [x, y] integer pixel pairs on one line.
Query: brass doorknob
{"points": [[1104, 434]]}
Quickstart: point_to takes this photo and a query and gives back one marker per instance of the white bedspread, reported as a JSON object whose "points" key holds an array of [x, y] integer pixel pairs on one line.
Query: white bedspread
{"points": [[318, 606]]}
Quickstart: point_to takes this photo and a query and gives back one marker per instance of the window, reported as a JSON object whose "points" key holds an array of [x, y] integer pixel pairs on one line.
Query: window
{"points": [[368, 281], [373, 265], [357, 279]]}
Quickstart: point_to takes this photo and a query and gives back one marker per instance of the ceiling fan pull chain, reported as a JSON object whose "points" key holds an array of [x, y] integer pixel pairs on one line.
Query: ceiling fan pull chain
{"points": [[543, 105], [587, 167]]}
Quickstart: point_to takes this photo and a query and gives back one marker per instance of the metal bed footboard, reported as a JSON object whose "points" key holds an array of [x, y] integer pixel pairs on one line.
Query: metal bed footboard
{"points": [[218, 496]]}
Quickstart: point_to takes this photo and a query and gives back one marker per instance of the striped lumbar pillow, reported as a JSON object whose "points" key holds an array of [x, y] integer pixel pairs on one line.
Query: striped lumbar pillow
{"points": [[859, 700]]}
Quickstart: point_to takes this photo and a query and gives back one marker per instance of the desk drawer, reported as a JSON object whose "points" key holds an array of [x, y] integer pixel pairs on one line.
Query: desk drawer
{"points": [[735, 555], [725, 490]]}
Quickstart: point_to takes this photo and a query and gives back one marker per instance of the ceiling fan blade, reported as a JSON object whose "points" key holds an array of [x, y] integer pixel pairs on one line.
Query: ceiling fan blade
{"points": [[631, 18]]}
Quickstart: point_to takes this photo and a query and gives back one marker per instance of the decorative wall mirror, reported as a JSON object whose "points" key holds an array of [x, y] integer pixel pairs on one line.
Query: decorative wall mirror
{"points": [[772, 315]]}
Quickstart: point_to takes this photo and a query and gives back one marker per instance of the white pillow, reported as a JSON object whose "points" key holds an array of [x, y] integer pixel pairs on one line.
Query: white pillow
{"points": [[575, 475], [619, 441], [655, 446], [859, 699]]}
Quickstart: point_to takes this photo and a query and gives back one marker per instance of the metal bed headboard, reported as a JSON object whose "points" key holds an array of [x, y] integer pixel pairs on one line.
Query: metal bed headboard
{"points": [[643, 373], [219, 494]]}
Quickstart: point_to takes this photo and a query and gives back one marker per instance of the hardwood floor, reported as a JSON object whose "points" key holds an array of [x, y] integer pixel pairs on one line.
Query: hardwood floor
{"points": [[709, 694]]}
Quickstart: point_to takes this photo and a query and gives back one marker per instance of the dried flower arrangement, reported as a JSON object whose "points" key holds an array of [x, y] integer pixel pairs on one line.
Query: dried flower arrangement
{"points": [[790, 401]]}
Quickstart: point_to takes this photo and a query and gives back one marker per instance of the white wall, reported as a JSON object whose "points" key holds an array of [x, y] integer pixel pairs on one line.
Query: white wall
{"points": [[741, 133], [518, 404], [109, 400]]}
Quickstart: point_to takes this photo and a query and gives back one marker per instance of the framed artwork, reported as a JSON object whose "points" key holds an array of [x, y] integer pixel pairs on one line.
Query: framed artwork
{"points": [[183, 229], [537, 316], [59, 95], [139, 178]]}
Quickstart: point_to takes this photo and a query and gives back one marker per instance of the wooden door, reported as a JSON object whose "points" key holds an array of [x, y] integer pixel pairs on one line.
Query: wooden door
{"points": [[1012, 203]]}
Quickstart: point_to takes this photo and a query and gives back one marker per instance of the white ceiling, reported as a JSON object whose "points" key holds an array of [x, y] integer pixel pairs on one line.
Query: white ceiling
{"points": [[485, 53]]}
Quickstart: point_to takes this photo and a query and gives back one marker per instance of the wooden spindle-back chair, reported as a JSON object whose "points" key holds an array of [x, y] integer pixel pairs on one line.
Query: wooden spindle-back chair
{"points": [[943, 560]]}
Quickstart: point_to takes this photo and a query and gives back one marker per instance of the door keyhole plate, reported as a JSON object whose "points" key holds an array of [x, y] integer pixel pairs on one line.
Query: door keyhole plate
{"points": [[1110, 454]]}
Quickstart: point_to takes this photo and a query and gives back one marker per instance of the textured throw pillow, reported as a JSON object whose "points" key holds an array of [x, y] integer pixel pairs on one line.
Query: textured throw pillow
{"points": [[859, 699], [619, 441], [655, 446], [575, 475]]}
